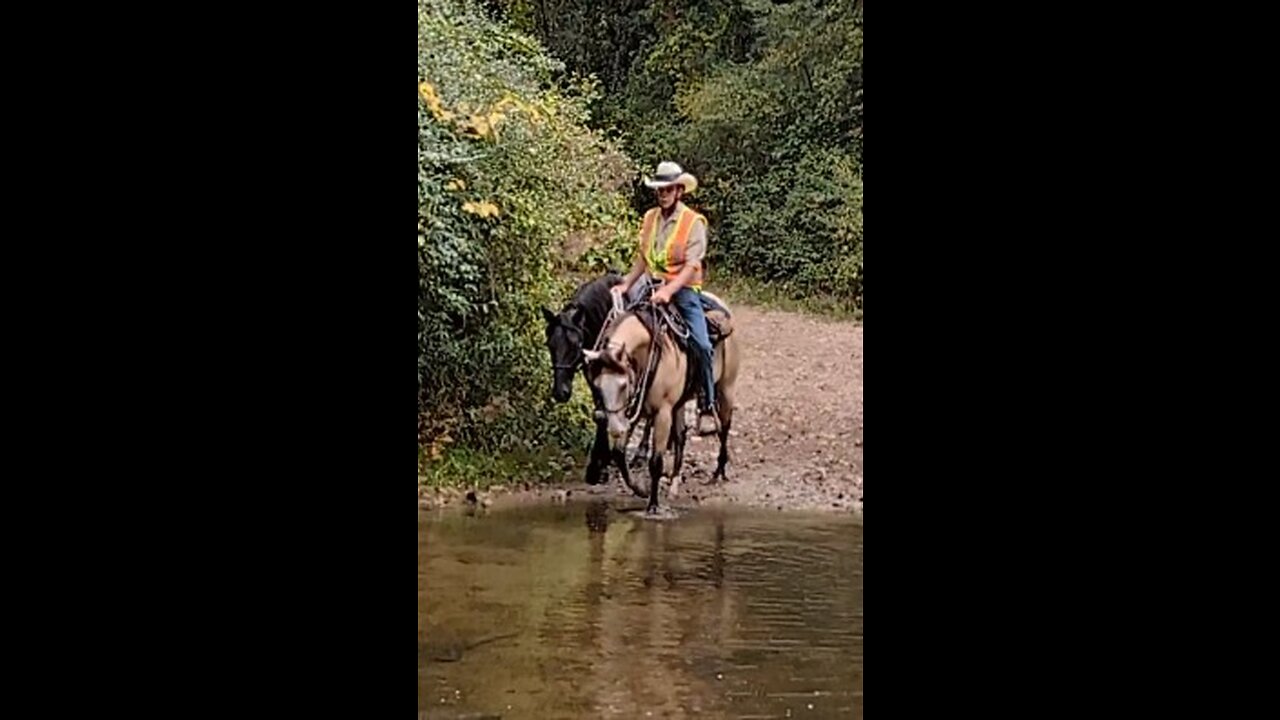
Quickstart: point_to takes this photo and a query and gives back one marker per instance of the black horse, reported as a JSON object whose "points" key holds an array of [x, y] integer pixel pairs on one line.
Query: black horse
{"points": [[575, 329]]}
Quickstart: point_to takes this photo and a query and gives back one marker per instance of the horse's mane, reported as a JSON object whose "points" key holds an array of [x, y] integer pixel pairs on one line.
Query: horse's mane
{"points": [[594, 300], [596, 291]]}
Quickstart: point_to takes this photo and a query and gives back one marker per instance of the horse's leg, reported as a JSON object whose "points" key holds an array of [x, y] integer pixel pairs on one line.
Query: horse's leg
{"points": [[724, 403], [644, 439], [620, 460], [661, 436], [642, 450], [599, 456], [679, 431]]}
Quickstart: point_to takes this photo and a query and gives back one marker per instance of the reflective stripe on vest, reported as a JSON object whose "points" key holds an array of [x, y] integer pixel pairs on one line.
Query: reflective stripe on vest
{"points": [[668, 263]]}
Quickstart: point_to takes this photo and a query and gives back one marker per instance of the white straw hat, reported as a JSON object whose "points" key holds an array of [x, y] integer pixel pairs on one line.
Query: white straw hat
{"points": [[669, 174]]}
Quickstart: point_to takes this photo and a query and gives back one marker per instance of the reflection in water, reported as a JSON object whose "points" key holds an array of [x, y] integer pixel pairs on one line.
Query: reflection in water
{"points": [[526, 613]]}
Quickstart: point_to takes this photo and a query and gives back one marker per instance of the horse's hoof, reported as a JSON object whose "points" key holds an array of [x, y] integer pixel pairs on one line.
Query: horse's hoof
{"points": [[651, 511]]}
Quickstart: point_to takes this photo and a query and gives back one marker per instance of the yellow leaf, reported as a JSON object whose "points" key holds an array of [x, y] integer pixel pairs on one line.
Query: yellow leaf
{"points": [[484, 208], [432, 100], [456, 184], [479, 125]]}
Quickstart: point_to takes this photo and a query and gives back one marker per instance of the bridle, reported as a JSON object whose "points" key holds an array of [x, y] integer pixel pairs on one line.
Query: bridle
{"points": [[614, 411], [635, 402], [577, 361], [632, 393]]}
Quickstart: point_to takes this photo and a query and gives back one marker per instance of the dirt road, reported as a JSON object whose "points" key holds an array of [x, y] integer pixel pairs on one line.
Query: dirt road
{"points": [[796, 440]]}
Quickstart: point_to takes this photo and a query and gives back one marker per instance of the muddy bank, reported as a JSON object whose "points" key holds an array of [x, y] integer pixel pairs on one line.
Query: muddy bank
{"points": [[797, 430], [796, 441]]}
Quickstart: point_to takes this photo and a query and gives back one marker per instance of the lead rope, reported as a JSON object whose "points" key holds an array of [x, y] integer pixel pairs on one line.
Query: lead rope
{"points": [[637, 400], [680, 330], [614, 313], [633, 409]]}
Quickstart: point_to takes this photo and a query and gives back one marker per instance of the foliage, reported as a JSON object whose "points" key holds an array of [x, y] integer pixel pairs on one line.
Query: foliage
{"points": [[773, 296], [525, 108], [461, 467], [514, 192], [761, 99], [780, 139]]}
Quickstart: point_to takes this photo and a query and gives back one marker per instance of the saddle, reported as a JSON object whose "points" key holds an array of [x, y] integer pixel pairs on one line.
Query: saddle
{"points": [[719, 324], [668, 320]]}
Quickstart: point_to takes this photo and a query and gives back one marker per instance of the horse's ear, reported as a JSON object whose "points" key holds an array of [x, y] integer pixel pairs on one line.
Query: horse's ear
{"points": [[618, 353], [549, 316], [591, 355], [579, 315]]}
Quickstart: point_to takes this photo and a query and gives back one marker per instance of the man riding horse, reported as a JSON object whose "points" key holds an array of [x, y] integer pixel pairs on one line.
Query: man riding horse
{"points": [[673, 243]]}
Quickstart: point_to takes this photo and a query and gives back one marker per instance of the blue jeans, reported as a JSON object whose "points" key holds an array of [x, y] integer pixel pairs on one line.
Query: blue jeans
{"points": [[689, 303]]}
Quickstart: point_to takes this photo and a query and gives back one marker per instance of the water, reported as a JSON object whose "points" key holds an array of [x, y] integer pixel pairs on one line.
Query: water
{"points": [[581, 611]]}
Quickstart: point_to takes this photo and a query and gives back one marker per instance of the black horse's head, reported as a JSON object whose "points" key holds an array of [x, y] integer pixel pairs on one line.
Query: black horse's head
{"points": [[565, 337]]}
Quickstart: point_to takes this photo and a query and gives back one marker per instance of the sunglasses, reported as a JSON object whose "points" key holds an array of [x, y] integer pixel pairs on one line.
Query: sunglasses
{"points": [[667, 190]]}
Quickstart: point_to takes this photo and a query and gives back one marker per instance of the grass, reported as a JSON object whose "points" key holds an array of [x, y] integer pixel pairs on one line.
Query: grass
{"points": [[459, 467], [777, 297]]}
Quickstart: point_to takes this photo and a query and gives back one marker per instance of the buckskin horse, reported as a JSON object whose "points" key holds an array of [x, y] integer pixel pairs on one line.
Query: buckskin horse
{"points": [[576, 328], [618, 373]]}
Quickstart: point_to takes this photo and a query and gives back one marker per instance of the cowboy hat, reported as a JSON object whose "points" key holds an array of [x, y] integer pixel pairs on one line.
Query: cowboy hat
{"points": [[669, 174]]}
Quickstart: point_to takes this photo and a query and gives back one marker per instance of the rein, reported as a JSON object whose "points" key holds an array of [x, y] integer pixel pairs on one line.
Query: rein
{"points": [[635, 404]]}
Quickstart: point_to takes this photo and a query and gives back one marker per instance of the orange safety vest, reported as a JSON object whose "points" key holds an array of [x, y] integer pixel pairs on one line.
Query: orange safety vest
{"points": [[671, 260]]}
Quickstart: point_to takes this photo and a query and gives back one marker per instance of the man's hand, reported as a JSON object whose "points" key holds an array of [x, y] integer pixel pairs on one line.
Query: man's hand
{"points": [[661, 296]]}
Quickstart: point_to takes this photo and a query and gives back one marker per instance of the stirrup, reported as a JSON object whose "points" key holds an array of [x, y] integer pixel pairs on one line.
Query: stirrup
{"points": [[715, 422]]}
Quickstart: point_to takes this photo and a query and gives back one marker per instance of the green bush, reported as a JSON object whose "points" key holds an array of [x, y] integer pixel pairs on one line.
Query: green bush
{"points": [[778, 141], [515, 195], [762, 100]]}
